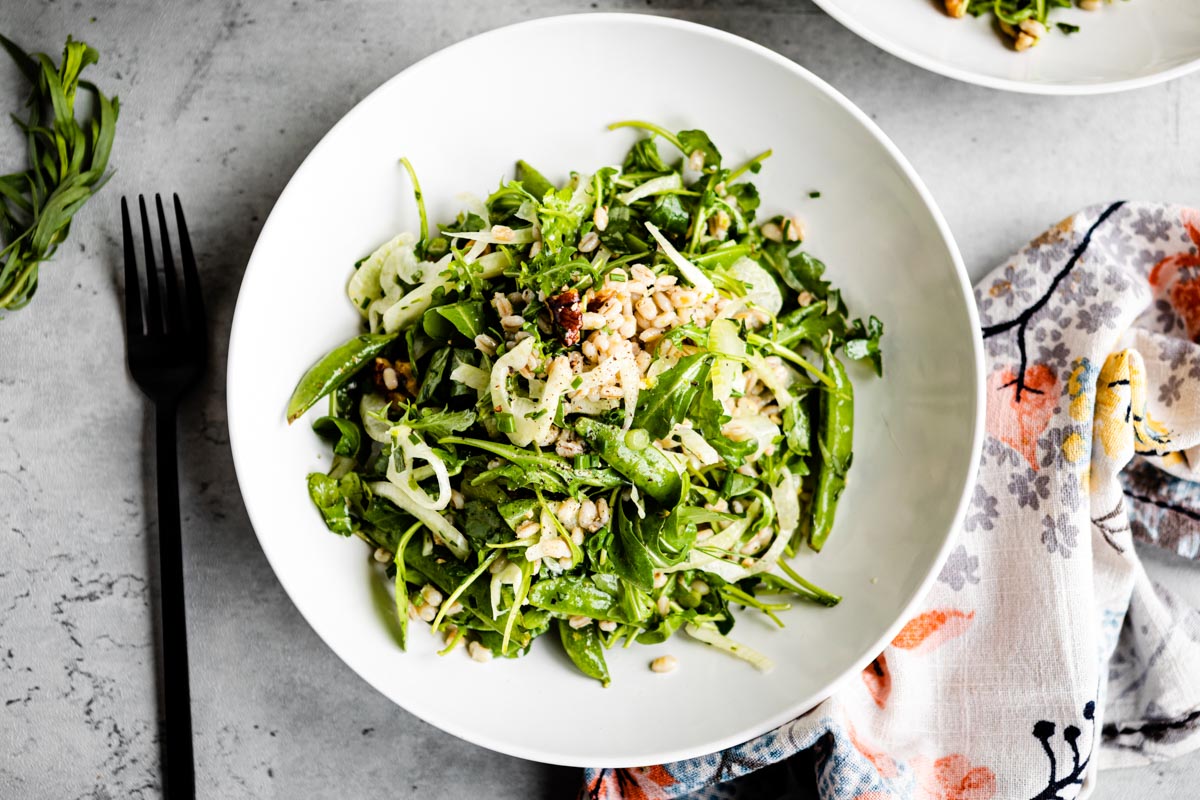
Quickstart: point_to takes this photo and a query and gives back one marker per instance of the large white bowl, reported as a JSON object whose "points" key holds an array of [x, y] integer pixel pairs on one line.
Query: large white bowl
{"points": [[1126, 45], [544, 91]]}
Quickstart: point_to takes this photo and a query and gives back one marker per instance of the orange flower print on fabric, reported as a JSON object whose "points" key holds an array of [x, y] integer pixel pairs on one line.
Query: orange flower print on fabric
{"points": [[875, 796], [1018, 422], [878, 679], [638, 783], [1177, 278], [953, 777], [883, 763], [932, 629]]}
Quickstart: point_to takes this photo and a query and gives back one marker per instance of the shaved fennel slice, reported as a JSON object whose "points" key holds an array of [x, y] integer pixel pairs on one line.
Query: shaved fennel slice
{"points": [[531, 421], [364, 286], [414, 448], [510, 574], [437, 524], [725, 341], [518, 236], [713, 637], [761, 289], [471, 376], [690, 272], [664, 183], [770, 378], [696, 445], [373, 410]]}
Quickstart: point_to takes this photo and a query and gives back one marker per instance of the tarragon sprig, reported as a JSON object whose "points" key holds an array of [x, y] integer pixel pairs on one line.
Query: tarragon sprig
{"points": [[68, 159]]}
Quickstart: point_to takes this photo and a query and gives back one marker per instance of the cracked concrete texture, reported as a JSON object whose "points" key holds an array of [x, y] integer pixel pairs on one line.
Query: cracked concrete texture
{"points": [[220, 102]]}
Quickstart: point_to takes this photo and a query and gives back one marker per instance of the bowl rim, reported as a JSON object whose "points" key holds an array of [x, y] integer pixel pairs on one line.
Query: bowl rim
{"points": [[1051, 88], [545, 754]]}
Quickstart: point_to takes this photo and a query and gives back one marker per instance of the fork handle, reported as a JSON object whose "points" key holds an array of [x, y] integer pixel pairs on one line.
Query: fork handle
{"points": [[179, 782]]}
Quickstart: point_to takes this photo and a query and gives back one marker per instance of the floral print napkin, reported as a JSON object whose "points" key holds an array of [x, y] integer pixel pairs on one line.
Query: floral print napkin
{"points": [[1045, 652]]}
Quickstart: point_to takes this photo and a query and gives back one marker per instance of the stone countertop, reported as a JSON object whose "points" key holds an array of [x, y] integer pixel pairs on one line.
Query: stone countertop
{"points": [[221, 102]]}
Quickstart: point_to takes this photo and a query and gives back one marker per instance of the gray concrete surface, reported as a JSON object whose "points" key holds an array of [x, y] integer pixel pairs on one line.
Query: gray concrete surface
{"points": [[222, 100]]}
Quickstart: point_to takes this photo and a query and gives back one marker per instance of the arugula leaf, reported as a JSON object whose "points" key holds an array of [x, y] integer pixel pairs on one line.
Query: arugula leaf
{"points": [[668, 536], [629, 557], [667, 401], [541, 467], [709, 416]]}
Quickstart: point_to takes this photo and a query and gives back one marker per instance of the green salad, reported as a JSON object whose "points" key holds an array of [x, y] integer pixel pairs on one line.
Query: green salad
{"points": [[1025, 22], [609, 408]]}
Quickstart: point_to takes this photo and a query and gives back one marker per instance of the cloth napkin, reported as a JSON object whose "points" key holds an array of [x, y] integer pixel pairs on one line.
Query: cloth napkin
{"points": [[1044, 652]]}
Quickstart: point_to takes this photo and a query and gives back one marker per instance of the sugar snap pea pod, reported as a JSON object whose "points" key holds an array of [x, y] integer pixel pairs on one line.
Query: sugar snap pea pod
{"points": [[585, 650], [648, 469], [334, 370], [835, 441]]}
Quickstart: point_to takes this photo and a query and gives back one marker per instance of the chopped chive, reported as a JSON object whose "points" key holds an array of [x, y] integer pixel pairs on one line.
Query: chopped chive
{"points": [[506, 423]]}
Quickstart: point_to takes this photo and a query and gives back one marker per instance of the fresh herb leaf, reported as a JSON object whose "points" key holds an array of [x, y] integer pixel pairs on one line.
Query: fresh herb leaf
{"points": [[68, 160]]}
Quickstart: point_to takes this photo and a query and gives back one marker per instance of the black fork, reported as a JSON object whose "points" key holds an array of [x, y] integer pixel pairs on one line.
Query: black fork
{"points": [[166, 346]]}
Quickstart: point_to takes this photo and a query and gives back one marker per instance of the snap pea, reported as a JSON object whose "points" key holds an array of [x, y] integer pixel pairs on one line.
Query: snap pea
{"points": [[334, 370], [648, 469], [835, 443], [585, 650]]}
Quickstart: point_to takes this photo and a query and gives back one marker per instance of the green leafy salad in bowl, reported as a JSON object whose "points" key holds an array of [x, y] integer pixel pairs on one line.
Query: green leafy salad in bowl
{"points": [[608, 409]]}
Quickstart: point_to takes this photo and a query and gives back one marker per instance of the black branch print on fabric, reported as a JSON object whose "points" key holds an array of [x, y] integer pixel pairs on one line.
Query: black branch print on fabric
{"points": [[1111, 524], [1043, 731], [1021, 322]]}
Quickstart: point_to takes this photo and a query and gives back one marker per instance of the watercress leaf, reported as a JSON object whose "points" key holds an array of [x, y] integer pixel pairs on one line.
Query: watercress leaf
{"points": [[866, 346], [669, 215], [746, 197], [797, 428], [336, 500], [480, 522], [346, 435], [620, 220], [644, 157], [691, 141]]}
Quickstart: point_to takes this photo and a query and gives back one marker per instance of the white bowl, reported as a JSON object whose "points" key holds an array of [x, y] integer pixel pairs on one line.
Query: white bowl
{"points": [[463, 116], [1126, 45]]}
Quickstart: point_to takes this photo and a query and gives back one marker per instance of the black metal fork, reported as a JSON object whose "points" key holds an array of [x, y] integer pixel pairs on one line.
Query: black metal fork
{"points": [[166, 344]]}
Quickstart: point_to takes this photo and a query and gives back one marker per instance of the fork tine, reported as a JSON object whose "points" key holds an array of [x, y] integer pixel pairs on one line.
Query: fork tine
{"points": [[133, 292], [153, 304], [191, 289], [174, 320]]}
